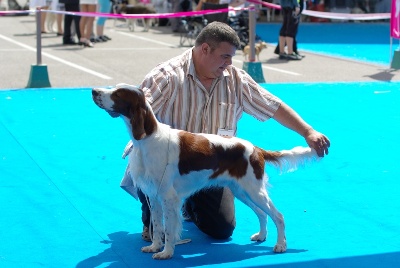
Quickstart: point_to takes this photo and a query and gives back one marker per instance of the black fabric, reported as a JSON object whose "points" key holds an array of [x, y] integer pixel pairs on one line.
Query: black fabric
{"points": [[68, 22], [221, 17], [290, 23], [70, 2], [211, 210]]}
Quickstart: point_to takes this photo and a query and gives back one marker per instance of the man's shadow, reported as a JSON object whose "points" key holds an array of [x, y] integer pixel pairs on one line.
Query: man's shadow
{"points": [[124, 251]]}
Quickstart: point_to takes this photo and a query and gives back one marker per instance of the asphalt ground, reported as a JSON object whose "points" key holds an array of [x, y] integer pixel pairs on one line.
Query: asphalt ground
{"points": [[130, 55]]}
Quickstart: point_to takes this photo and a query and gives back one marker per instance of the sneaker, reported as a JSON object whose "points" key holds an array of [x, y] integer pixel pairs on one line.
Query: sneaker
{"points": [[283, 56], [293, 56], [105, 38], [300, 55], [96, 40], [146, 234]]}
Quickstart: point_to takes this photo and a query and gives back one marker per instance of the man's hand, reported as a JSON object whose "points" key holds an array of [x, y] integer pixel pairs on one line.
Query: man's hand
{"points": [[317, 141]]}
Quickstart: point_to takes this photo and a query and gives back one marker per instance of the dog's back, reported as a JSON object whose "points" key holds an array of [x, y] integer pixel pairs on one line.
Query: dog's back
{"points": [[137, 9]]}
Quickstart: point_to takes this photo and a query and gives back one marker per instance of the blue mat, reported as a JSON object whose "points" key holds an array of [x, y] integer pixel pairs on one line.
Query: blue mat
{"points": [[62, 206], [358, 41]]}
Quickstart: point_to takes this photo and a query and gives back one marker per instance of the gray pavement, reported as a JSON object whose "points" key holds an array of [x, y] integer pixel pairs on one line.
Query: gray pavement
{"points": [[129, 56]]}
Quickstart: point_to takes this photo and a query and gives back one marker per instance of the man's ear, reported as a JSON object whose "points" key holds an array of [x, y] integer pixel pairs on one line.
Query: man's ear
{"points": [[205, 48]]}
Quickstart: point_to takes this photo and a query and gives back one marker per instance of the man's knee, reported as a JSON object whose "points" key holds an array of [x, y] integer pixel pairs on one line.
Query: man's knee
{"points": [[220, 230]]}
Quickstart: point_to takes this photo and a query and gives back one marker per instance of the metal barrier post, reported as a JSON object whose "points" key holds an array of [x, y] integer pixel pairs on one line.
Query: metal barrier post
{"points": [[38, 36], [39, 76], [253, 67], [252, 30]]}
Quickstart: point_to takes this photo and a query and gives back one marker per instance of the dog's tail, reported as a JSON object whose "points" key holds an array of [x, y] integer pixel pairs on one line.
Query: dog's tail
{"points": [[290, 160]]}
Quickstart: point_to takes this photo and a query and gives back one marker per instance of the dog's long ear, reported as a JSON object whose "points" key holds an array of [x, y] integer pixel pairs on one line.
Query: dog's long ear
{"points": [[142, 118], [137, 122]]}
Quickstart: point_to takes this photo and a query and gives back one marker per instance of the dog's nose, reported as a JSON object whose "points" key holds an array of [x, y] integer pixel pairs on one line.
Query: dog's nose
{"points": [[95, 93]]}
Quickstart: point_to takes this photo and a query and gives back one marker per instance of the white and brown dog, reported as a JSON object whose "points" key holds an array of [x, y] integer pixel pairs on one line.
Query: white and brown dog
{"points": [[169, 165]]}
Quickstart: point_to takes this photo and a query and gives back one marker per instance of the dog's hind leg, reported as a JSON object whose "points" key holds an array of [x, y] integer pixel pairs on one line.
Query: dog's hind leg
{"points": [[171, 206], [263, 201], [259, 196], [262, 216], [157, 226]]}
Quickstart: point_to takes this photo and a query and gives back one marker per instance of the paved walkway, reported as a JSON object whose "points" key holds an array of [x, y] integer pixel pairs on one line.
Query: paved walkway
{"points": [[131, 55]]}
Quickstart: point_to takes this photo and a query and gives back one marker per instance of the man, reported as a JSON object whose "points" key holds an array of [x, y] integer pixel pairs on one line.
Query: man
{"points": [[200, 91]]}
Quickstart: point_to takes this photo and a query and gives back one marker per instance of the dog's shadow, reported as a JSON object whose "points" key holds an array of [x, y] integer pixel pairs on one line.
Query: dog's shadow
{"points": [[124, 251]]}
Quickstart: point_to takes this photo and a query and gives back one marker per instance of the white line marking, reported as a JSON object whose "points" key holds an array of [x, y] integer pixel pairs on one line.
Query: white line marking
{"points": [[272, 69], [280, 70], [57, 59], [147, 39]]}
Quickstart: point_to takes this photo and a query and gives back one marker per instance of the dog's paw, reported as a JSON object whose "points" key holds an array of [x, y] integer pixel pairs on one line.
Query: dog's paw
{"points": [[151, 249], [280, 247], [258, 237], [163, 255]]}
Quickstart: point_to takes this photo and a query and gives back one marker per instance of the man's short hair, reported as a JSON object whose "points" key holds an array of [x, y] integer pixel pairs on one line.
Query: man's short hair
{"points": [[217, 32]]}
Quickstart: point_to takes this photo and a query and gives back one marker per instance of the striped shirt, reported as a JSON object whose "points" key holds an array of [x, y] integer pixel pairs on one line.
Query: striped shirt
{"points": [[179, 99]]}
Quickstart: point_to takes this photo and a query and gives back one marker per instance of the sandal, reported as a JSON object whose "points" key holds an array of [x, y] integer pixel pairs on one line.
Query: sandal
{"points": [[86, 43]]}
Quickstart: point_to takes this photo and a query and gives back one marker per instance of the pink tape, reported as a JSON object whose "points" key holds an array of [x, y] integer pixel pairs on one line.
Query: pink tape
{"points": [[319, 14]]}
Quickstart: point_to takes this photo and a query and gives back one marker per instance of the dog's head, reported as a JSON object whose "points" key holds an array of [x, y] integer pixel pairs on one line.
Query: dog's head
{"points": [[129, 102]]}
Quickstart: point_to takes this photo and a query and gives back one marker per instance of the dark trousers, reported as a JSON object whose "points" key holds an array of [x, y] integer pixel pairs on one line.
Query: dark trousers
{"points": [[68, 22], [289, 24], [211, 210], [294, 24]]}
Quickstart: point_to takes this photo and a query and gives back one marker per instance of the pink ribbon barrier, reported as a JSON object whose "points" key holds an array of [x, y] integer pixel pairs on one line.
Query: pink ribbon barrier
{"points": [[395, 19], [319, 14], [128, 16]]}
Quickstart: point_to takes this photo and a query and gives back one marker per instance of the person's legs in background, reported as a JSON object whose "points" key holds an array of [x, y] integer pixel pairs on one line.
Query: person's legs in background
{"points": [[56, 5], [43, 5], [104, 6], [176, 7], [86, 24], [67, 37]]}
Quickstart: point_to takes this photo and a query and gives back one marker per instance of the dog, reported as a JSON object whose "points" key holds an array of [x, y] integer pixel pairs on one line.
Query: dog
{"points": [[137, 9], [258, 48], [169, 165]]}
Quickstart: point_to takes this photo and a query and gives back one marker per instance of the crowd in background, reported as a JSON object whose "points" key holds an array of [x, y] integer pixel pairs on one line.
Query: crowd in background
{"points": [[86, 31]]}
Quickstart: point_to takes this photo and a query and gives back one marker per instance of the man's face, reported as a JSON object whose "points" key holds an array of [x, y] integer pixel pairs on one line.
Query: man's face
{"points": [[217, 60]]}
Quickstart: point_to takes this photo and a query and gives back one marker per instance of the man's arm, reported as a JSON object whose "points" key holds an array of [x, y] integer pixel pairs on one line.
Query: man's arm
{"points": [[287, 117]]}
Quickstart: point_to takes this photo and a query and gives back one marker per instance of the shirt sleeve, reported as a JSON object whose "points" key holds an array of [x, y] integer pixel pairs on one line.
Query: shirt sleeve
{"points": [[155, 88], [257, 101]]}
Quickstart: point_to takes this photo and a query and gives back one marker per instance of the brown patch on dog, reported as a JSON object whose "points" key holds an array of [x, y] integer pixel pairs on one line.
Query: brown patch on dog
{"points": [[197, 153], [132, 104], [258, 159], [258, 163]]}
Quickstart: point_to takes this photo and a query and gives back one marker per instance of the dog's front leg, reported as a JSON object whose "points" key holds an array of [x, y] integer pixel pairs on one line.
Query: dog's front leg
{"points": [[157, 226], [173, 224]]}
